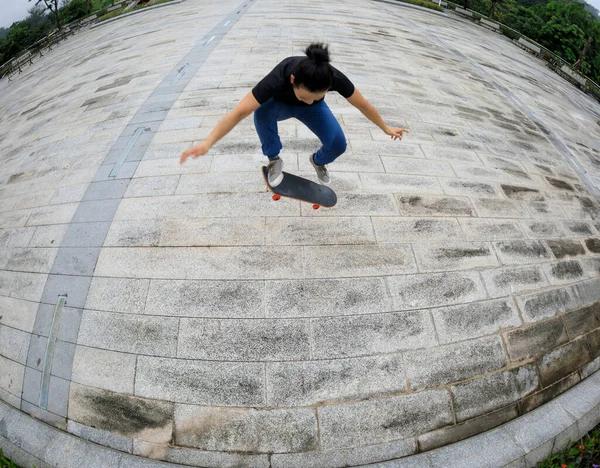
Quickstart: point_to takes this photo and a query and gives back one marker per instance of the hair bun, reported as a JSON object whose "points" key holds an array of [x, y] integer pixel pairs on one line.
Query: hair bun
{"points": [[318, 52]]}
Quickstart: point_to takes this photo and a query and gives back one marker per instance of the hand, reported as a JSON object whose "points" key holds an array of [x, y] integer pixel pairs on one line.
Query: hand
{"points": [[194, 152], [396, 133]]}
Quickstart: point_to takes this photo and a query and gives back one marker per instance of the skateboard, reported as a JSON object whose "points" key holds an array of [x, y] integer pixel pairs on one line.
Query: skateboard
{"points": [[302, 189]]}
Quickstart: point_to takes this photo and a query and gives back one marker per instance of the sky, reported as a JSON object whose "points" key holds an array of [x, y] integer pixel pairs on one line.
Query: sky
{"points": [[16, 10]]}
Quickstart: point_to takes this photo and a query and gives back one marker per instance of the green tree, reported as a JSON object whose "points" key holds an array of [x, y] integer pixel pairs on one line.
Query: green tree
{"points": [[52, 7]]}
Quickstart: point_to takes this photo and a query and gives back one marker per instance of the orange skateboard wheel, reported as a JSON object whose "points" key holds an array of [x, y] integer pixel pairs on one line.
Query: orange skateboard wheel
{"points": [[276, 197], [316, 207]]}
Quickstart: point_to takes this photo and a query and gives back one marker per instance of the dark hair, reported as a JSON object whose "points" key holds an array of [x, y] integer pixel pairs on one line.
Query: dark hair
{"points": [[314, 72]]}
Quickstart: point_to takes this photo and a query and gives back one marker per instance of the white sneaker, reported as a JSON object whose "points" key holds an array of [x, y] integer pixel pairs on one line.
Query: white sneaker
{"points": [[322, 172], [275, 172]]}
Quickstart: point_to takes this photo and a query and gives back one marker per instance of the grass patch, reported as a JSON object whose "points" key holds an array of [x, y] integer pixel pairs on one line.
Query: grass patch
{"points": [[423, 3], [110, 15], [584, 453], [5, 462]]}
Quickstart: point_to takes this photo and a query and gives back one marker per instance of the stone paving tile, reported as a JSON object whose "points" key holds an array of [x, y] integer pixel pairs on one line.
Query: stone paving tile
{"points": [[129, 333], [274, 431], [201, 382], [450, 363], [108, 370], [243, 340], [383, 420]]}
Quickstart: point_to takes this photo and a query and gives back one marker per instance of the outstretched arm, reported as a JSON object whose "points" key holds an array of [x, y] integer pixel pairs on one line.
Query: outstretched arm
{"points": [[369, 111], [245, 107]]}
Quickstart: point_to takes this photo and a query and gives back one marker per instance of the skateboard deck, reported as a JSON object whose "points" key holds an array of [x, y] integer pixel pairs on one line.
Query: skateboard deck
{"points": [[302, 189]]}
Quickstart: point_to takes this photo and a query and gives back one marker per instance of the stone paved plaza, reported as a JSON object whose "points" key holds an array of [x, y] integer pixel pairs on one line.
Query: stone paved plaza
{"points": [[454, 287]]}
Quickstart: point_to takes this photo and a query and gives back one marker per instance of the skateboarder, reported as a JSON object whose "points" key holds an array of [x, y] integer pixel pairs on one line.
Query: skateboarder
{"points": [[296, 88]]}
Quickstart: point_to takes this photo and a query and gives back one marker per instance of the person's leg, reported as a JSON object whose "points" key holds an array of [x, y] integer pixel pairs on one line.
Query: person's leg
{"points": [[321, 121], [265, 121]]}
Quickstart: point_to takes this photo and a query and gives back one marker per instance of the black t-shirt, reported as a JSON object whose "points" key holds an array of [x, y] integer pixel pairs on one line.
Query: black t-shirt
{"points": [[277, 84]]}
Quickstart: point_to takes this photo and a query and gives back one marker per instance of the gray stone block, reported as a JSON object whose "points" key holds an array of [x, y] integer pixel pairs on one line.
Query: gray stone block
{"points": [[58, 396], [585, 292], [124, 415], [14, 344], [37, 352], [74, 287], [129, 333], [117, 442], [17, 455], [464, 187], [537, 306], [438, 289], [96, 211], [20, 285], [314, 231], [312, 382], [452, 363], [592, 266], [359, 260], [462, 322], [104, 369], [134, 233], [369, 334], [44, 415], [490, 229], [152, 186], [499, 208], [536, 339], [244, 340], [217, 232], [454, 256], [580, 228], [564, 272], [201, 382], [62, 361], [85, 235], [517, 252], [225, 263], [452, 434], [306, 298], [540, 229], [549, 393], [33, 260], [105, 190], [346, 457], [248, 430], [425, 205], [118, 295], [17, 313], [415, 461], [384, 420], [507, 281], [48, 236], [31, 385], [76, 261], [564, 360], [565, 248], [490, 393], [392, 229], [223, 299]]}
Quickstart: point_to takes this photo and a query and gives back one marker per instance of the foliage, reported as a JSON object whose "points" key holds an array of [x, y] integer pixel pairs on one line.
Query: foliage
{"points": [[582, 454], [5, 462]]}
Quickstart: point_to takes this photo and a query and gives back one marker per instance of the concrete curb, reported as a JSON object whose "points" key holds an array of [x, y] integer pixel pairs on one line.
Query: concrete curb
{"points": [[135, 12], [521, 442]]}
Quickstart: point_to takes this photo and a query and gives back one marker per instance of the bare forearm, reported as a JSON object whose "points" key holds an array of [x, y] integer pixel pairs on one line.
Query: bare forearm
{"points": [[371, 113], [224, 126]]}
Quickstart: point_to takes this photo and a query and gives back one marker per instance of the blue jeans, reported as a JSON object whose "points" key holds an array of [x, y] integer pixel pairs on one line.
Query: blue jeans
{"points": [[318, 118]]}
